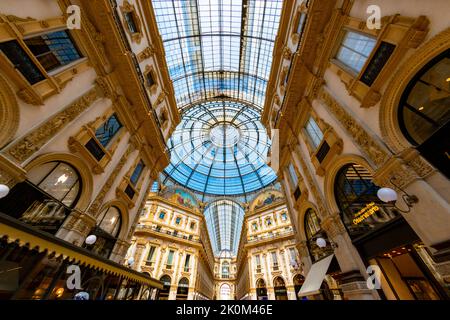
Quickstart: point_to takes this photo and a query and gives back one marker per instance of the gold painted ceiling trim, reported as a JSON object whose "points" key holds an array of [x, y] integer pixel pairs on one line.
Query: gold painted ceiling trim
{"points": [[23, 237]]}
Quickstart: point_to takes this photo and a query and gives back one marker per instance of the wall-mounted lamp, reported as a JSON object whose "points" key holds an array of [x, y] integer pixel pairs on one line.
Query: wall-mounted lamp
{"points": [[4, 190], [322, 243], [389, 195]]}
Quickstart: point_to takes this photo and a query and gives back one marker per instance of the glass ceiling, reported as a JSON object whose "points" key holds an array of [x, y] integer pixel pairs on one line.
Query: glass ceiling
{"points": [[224, 219], [220, 147], [217, 48]]}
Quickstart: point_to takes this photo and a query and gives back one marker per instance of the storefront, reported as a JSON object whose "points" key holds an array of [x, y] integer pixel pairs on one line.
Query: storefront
{"points": [[384, 239]]}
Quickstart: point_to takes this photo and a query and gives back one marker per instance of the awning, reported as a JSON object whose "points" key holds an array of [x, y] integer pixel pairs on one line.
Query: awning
{"points": [[15, 230], [315, 277]]}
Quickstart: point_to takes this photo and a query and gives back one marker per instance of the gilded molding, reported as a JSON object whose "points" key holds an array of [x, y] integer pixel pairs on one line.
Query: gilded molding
{"points": [[9, 112], [38, 137], [146, 53], [373, 149], [94, 208]]}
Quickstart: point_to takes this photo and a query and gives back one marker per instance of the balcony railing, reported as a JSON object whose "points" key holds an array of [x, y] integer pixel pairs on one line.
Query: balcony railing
{"points": [[168, 232], [271, 235]]}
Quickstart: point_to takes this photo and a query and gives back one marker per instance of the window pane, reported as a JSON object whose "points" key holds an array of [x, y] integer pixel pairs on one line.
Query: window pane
{"points": [[314, 132], [21, 61], [107, 131], [293, 174], [111, 221], [355, 50], [151, 252], [137, 173], [54, 49], [59, 182]]}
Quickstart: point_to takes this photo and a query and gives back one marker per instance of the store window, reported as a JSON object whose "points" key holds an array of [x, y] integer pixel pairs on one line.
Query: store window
{"points": [[315, 135], [424, 113], [279, 287], [356, 197], [164, 292], [183, 289], [107, 231], [261, 290], [46, 198], [313, 232], [355, 50]]}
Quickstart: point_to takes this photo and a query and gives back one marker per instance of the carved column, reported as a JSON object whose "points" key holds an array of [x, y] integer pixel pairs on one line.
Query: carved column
{"points": [[353, 277], [76, 227], [140, 247]]}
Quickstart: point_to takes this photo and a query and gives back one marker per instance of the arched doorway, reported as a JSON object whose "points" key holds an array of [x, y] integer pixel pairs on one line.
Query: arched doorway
{"points": [[279, 287], [424, 114], [383, 238], [46, 198], [298, 282], [107, 230], [183, 289], [261, 290], [165, 291], [225, 292]]}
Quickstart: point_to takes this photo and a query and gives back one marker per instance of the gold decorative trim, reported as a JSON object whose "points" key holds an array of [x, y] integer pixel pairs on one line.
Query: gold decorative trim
{"points": [[35, 139], [145, 54], [94, 208], [9, 112], [404, 32], [332, 171], [372, 148], [129, 8]]}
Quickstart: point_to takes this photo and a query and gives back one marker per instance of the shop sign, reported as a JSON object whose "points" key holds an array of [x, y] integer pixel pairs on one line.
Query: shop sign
{"points": [[365, 212]]}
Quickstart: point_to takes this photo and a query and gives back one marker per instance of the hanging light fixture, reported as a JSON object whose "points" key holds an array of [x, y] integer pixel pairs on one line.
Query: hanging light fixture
{"points": [[389, 195]]}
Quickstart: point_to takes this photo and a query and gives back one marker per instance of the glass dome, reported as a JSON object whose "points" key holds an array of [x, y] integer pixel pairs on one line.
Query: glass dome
{"points": [[220, 148]]}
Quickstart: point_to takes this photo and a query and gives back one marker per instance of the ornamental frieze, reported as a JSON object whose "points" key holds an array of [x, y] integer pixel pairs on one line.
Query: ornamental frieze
{"points": [[373, 149], [38, 137]]}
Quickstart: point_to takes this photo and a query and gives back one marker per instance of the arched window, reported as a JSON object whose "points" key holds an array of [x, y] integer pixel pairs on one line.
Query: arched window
{"points": [[424, 112], [225, 270], [280, 289], [313, 231], [183, 289], [261, 290], [298, 282], [225, 292], [46, 198], [356, 197], [107, 231], [164, 292]]}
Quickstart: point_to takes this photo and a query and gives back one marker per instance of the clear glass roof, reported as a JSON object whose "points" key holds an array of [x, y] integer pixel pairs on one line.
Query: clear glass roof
{"points": [[218, 48], [220, 147], [224, 219]]}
